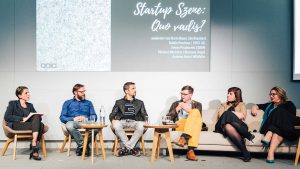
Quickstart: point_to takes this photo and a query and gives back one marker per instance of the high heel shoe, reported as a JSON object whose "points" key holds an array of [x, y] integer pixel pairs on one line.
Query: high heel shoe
{"points": [[270, 161], [251, 138], [35, 150], [265, 143]]}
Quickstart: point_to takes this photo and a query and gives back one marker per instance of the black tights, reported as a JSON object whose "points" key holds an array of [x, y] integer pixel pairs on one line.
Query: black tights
{"points": [[34, 124], [233, 131]]}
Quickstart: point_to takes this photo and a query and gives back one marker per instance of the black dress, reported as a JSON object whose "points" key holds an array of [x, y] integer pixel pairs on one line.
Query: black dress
{"points": [[280, 120], [228, 117]]}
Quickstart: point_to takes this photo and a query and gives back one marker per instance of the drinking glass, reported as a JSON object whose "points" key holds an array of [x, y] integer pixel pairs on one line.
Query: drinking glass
{"points": [[92, 119], [85, 120], [147, 120], [166, 120]]}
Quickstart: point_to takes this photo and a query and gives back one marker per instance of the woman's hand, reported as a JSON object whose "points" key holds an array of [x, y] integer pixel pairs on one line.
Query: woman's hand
{"points": [[254, 110], [239, 115]]}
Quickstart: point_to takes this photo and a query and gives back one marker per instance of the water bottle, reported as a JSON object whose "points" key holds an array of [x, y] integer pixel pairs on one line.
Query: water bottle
{"points": [[102, 115]]}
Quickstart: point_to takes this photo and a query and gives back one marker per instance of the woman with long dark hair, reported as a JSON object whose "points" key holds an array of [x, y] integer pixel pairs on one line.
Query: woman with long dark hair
{"points": [[231, 117], [18, 116]]}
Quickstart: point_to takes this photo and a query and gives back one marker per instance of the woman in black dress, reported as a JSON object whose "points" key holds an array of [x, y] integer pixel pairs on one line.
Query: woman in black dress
{"points": [[278, 121], [231, 116], [17, 117]]}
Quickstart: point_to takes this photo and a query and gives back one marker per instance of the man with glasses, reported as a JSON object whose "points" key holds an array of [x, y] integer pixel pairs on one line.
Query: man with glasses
{"points": [[74, 112], [128, 112], [187, 113]]}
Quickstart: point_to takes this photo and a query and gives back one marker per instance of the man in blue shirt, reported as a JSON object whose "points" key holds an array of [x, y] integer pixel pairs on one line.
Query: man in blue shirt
{"points": [[74, 112]]}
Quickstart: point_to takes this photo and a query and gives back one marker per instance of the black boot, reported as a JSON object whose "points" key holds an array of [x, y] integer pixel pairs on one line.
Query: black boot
{"points": [[35, 153], [240, 144], [79, 151]]}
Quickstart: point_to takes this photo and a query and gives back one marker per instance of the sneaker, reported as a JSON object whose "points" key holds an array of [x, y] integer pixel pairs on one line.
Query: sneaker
{"points": [[122, 152], [79, 151], [135, 152]]}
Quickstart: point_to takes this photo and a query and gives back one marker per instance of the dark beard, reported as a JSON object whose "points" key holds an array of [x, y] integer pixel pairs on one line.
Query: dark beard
{"points": [[80, 97]]}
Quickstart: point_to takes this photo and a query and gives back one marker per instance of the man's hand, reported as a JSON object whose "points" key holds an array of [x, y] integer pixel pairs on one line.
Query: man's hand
{"points": [[179, 107], [186, 107], [79, 118]]}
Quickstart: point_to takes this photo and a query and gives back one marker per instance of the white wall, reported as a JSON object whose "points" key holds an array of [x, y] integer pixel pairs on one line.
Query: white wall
{"points": [[250, 48]]}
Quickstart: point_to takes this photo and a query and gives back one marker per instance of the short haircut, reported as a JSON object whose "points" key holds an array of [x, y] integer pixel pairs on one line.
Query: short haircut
{"points": [[189, 88], [126, 85], [281, 93], [76, 87], [20, 90]]}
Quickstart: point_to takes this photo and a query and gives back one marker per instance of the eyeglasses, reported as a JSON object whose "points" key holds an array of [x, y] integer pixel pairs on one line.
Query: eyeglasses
{"points": [[272, 94], [83, 91], [184, 94]]}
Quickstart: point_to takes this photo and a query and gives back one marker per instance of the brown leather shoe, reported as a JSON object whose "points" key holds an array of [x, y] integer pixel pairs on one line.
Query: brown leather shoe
{"points": [[191, 155], [181, 142]]}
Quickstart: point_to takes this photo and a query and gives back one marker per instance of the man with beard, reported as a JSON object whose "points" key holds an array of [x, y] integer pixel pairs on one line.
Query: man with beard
{"points": [[128, 112], [74, 112]]}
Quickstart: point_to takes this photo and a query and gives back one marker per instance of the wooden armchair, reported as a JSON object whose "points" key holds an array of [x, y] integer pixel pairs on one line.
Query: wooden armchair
{"points": [[68, 139], [13, 136], [129, 132]]}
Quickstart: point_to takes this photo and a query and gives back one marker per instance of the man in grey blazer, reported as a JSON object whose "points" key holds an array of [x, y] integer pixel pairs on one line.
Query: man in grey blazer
{"points": [[128, 112]]}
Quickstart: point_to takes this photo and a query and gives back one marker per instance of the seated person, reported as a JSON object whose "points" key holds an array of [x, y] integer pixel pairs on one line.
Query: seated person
{"points": [[278, 122], [187, 114], [231, 117], [74, 112], [128, 112], [17, 117]]}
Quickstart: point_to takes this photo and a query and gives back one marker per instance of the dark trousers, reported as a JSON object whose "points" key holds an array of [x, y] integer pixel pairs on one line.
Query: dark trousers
{"points": [[34, 124]]}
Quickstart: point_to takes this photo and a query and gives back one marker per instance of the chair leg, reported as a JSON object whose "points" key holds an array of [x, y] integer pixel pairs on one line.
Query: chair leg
{"points": [[158, 146], [113, 148], [62, 148], [297, 153], [116, 145], [8, 141], [15, 146], [44, 147], [143, 145], [69, 145]]}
